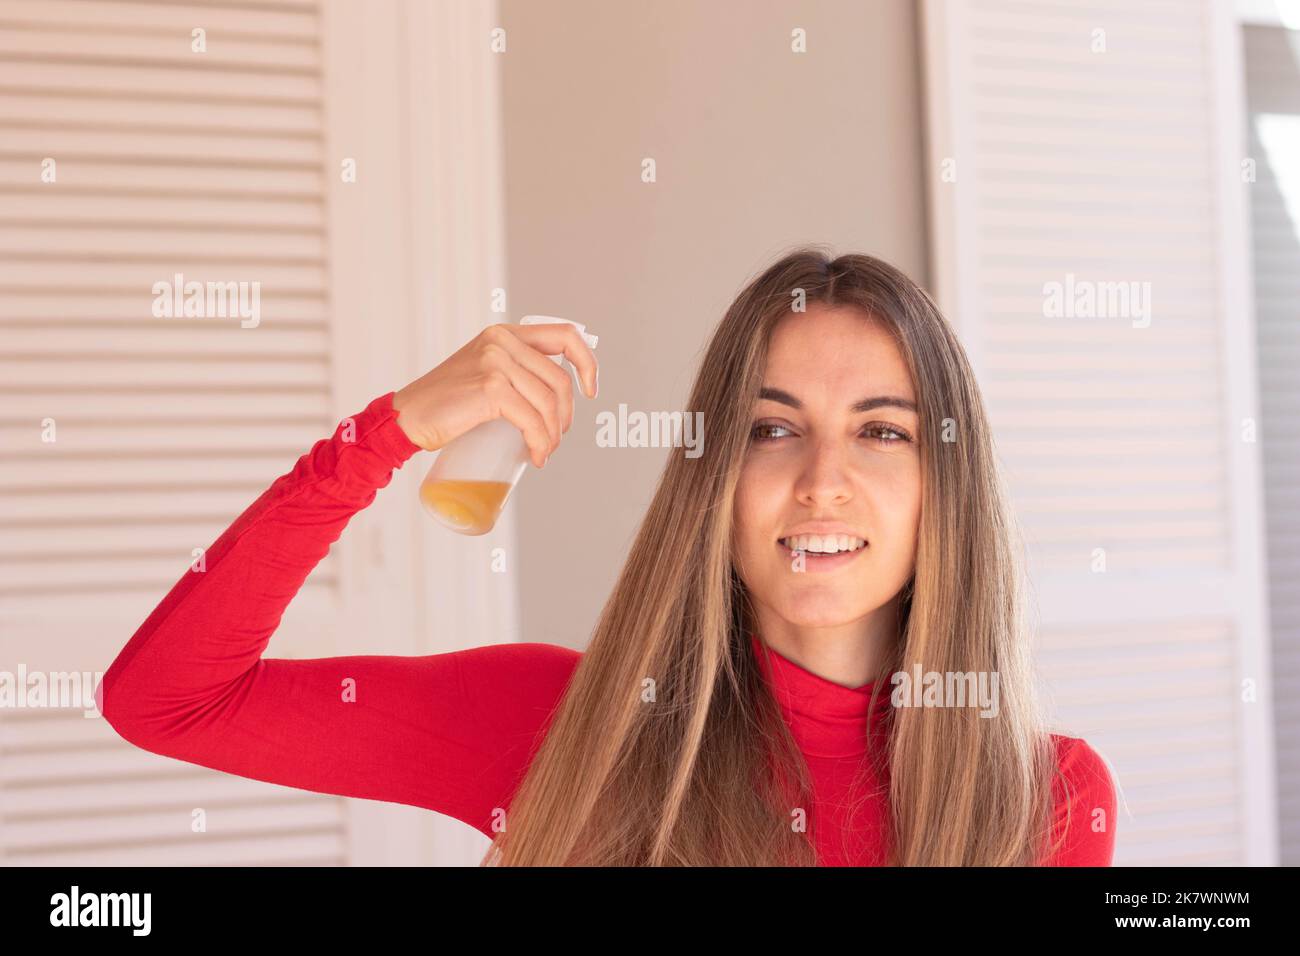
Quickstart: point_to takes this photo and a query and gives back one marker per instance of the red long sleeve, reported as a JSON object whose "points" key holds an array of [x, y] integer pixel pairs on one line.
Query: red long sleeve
{"points": [[1087, 796], [449, 732]]}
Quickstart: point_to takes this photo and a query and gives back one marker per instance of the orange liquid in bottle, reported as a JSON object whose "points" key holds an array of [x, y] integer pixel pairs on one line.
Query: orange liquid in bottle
{"points": [[472, 507]]}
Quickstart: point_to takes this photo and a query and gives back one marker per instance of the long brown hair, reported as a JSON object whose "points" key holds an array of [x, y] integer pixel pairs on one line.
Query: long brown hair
{"points": [[668, 748]]}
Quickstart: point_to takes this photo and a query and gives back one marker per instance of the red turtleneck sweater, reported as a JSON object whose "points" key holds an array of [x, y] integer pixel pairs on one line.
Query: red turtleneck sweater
{"points": [[451, 732]]}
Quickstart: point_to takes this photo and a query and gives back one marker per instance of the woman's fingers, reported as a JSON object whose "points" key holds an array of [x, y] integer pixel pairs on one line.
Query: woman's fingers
{"points": [[538, 394], [560, 338], [504, 371], [551, 374], [514, 408]]}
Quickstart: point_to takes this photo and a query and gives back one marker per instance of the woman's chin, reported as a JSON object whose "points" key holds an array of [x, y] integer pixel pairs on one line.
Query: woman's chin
{"points": [[822, 614]]}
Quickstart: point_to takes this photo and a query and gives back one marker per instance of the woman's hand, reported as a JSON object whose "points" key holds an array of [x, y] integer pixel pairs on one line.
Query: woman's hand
{"points": [[503, 372]]}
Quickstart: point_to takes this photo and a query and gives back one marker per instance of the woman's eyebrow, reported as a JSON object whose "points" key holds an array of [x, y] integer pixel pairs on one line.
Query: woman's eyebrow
{"points": [[862, 405]]}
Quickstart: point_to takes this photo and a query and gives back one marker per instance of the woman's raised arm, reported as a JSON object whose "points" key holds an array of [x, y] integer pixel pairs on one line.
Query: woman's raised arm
{"points": [[450, 732]]}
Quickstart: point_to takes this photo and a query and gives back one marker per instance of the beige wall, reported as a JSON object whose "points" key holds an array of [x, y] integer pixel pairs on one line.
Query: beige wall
{"points": [[757, 149]]}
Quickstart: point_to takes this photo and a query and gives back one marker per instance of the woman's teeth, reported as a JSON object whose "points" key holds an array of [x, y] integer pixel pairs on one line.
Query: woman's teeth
{"points": [[823, 543]]}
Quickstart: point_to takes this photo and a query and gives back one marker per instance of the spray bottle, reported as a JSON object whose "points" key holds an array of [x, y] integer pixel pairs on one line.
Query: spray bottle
{"points": [[467, 486]]}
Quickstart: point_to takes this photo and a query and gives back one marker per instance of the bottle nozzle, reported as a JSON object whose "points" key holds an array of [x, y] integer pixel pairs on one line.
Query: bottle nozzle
{"points": [[587, 337]]}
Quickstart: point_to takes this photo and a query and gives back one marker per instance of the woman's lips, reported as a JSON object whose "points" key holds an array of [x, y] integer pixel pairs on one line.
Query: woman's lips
{"points": [[815, 563]]}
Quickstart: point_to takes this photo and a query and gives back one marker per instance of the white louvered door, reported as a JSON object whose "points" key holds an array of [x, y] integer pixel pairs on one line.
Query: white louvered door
{"points": [[1272, 56], [1103, 157], [226, 166], [165, 161]]}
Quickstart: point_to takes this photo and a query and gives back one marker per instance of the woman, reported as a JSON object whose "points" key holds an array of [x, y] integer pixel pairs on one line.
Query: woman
{"points": [[735, 705]]}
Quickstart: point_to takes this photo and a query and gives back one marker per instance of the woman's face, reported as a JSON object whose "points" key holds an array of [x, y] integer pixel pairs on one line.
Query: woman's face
{"points": [[817, 463]]}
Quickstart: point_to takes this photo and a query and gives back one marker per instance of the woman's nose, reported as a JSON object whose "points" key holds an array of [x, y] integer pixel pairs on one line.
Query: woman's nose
{"points": [[824, 478]]}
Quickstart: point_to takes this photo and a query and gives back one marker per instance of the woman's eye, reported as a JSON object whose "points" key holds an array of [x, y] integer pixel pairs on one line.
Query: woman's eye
{"points": [[897, 434], [758, 431]]}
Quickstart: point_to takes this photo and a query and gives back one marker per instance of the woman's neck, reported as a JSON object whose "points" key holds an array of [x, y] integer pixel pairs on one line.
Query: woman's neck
{"points": [[849, 654]]}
